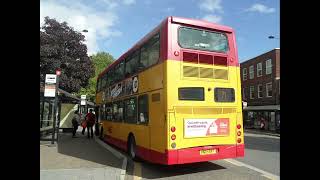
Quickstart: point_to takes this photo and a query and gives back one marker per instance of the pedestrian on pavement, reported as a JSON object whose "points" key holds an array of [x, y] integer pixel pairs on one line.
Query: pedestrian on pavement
{"points": [[262, 123], [75, 123], [84, 125], [90, 118]]}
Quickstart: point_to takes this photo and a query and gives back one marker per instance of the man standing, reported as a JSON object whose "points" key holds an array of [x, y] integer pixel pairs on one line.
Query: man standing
{"points": [[90, 118], [75, 123]]}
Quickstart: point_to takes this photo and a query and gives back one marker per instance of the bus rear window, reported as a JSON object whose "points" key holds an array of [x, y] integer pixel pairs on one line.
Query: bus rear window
{"points": [[191, 93], [224, 95], [202, 40]]}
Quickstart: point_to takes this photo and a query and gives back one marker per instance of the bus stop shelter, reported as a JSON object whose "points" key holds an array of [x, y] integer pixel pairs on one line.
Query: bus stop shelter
{"points": [[50, 124]]}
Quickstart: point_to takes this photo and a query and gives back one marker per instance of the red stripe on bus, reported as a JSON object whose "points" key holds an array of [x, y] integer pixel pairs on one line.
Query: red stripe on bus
{"points": [[181, 156], [240, 150]]}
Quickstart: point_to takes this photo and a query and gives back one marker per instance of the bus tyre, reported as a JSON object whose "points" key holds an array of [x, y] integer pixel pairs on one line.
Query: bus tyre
{"points": [[132, 148]]}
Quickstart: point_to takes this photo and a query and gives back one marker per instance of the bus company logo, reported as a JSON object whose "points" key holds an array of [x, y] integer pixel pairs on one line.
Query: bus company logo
{"points": [[116, 90], [223, 125], [135, 84]]}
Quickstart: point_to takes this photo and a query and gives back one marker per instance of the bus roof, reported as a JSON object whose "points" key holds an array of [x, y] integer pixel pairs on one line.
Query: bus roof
{"points": [[200, 23], [173, 19]]}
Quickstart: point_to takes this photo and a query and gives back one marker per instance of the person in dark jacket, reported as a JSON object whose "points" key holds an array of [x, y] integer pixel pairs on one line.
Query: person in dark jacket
{"points": [[90, 118], [75, 123]]}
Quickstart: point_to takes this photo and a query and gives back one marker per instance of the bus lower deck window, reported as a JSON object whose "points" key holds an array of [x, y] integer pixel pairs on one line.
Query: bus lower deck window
{"points": [[191, 93]]}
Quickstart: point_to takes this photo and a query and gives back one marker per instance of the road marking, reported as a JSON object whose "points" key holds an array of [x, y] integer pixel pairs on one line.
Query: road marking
{"points": [[264, 173], [137, 171], [117, 154]]}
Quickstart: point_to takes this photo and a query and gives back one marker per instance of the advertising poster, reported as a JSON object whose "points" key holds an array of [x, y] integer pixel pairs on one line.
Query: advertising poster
{"points": [[206, 127]]}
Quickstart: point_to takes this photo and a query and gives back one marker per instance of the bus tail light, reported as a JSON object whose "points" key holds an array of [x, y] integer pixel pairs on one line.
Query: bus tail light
{"points": [[239, 140], [239, 133], [173, 145], [173, 129], [239, 126], [173, 137]]}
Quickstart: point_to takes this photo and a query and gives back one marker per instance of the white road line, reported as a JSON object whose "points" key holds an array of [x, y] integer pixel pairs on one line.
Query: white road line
{"points": [[264, 173], [117, 154]]}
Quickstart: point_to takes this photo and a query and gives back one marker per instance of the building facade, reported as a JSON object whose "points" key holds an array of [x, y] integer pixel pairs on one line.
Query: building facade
{"points": [[260, 77]]}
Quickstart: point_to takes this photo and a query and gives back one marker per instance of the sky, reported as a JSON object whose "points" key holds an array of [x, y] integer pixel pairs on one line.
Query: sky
{"points": [[114, 26]]}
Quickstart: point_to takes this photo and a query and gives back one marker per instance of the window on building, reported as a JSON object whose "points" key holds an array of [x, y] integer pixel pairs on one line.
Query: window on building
{"points": [[131, 110], [260, 91], [244, 73], [251, 72], [259, 69], [279, 86], [243, 93], [143, 109], [251, 92], [269, 89], [268, 66]]}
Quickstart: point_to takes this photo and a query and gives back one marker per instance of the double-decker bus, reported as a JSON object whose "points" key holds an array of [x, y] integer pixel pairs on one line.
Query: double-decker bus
{"points": [[175, 96]]}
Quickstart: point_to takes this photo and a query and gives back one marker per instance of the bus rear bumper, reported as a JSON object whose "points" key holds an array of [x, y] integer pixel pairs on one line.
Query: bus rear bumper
{"points": [[191, 155]]}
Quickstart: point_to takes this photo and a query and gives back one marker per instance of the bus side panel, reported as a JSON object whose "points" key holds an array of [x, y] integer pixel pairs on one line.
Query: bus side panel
{"points": [[99, 97], [157, 127]]}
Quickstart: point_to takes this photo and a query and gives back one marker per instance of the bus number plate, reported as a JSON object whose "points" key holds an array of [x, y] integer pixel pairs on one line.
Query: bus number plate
{"points": [[208, 151]]}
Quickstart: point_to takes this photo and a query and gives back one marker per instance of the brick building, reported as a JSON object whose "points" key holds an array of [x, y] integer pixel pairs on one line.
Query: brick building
{"points": [[260, 77]]}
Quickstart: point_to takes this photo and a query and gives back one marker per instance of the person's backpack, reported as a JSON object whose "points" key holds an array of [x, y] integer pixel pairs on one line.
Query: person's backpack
{"points": [[74, 120]]}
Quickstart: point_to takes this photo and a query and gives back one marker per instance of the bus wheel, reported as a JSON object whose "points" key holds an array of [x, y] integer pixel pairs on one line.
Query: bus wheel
{"points": [[132, 148]]}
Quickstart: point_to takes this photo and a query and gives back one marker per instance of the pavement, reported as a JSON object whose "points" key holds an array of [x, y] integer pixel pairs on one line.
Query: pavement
{"points": [[92, 159], [80, 159], [261, 132]]}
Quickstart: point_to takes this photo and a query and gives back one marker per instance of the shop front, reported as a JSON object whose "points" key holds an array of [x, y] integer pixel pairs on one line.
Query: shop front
{"points": [[262, 117]]}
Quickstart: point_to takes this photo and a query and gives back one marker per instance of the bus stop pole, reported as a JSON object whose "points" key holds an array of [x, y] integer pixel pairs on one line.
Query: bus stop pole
{"points": [[55, 110]]}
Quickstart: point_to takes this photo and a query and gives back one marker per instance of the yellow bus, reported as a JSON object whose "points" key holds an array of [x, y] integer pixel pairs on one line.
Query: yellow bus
{"points": [[175, 96]]}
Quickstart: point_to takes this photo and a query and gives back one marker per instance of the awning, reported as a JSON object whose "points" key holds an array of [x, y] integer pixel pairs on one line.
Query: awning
{"points": [[256, 108]]}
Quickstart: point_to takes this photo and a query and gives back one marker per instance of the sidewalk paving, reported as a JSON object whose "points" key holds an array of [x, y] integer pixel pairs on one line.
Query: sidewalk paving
{"points": [[77, 159], [257, 131]]}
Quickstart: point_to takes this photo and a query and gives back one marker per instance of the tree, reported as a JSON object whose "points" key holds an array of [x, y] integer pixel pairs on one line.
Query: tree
{"points": [[100, 60], [60, 44]]}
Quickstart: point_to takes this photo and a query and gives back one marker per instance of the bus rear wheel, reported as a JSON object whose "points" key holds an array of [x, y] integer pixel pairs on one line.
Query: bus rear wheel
{"points": [[132, 148]]}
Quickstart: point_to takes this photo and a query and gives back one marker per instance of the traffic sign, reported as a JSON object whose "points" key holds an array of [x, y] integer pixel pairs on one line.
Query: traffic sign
{"points": [[51, 78]]}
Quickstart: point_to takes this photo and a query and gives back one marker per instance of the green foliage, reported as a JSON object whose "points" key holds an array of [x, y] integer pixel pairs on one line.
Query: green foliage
{"points": [[60, 44], [100, 61]]}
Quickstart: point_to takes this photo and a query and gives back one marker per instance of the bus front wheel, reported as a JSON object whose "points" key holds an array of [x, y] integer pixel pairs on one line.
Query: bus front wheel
{"points": [[132, 148]]}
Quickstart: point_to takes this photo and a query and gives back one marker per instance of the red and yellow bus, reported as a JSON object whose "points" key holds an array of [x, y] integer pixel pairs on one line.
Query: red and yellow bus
{"points": [[175, 96]]}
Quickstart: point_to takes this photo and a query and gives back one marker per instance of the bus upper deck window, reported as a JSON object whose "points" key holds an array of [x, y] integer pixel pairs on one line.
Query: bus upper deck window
{"points": [[202, 40]]}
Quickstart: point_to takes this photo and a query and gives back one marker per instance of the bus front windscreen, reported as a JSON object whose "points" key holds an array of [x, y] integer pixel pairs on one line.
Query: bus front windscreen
{"points": [[191, 38]]}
